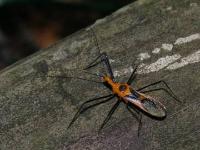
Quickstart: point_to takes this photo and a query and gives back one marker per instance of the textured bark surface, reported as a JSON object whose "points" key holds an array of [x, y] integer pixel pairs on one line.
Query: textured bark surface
{"points": [[163, 36]]}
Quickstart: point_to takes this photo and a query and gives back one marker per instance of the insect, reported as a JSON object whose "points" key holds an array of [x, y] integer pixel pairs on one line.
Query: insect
{"points": [[136, 100]]}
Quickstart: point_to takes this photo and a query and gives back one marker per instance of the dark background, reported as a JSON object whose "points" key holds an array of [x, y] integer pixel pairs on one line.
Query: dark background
{"points": [[27, 26]]}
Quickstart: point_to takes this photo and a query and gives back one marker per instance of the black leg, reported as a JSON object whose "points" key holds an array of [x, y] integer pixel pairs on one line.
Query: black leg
{"points": [[158, 82], [132, 77], [95, 62], [132, 113], [166, 85], [103, 59], [112, 110], [82, 109], [107, 63], [135, 116], [166, 91], [140, 125]]}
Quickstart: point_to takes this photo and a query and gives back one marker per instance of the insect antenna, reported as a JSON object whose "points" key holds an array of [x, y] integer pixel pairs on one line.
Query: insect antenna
{"points": [[65, 77], [96, 41]]}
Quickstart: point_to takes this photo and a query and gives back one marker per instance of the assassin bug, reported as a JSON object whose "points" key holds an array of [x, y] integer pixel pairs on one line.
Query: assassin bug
{"points": [[135, 99]]}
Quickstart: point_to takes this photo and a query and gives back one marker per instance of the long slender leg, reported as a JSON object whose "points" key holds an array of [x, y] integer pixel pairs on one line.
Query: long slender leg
{"points": [[133, 114], [138, 119], [163, 89], [133, 107], [132, 77], [112, 110], [103, 59], [158, 82], [82, 109], [107, 63], [140, 125], [95, 62]]}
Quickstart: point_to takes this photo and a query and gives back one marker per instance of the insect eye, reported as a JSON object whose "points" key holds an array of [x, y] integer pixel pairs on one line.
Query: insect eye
{"points": [[122, 87]]}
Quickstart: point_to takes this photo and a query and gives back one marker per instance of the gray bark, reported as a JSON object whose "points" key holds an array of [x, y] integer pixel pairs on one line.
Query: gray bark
{"points": [[161, 36]]}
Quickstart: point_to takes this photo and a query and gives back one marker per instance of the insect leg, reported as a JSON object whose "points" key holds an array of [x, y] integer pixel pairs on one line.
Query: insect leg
{"points": [[162, 89], [82, 109], [107, 63], [95, 62], [103, 59], [134, 115], [170, 92], [140, 125], [132, 77], [112, 110]]}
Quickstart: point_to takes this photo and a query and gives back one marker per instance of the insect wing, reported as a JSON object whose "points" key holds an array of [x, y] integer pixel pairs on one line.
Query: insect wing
{"points": [[147, 103]]}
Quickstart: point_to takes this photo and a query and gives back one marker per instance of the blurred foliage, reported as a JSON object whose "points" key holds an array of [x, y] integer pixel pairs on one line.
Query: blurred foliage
{"points": [[6, 2], [29, 25]]}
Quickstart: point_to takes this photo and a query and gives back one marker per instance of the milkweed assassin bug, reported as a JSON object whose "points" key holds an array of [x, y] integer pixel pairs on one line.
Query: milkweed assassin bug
{"points": [[136, 100]]}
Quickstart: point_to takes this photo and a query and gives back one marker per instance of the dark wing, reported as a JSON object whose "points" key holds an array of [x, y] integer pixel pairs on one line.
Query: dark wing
{"points": [[147, 103]]}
